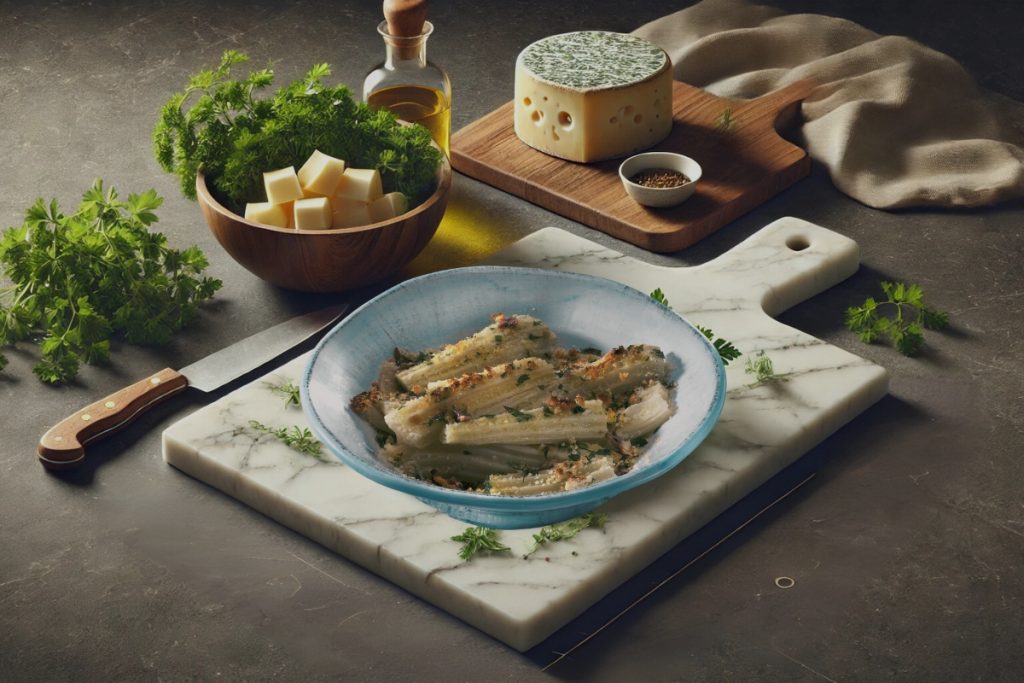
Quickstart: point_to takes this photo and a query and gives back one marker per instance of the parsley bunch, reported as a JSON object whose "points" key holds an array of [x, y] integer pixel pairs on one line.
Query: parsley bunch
{"points": [[82, 278], [221, 126], [905, 329]]}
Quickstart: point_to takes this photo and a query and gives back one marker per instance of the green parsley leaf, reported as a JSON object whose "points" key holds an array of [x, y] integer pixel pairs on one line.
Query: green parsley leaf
{"points": [[910, 317], [522, 379], [563, 531], [659, 296], [761, 367], [477, 539], [81, 278], [518, 414], [725, 349]]}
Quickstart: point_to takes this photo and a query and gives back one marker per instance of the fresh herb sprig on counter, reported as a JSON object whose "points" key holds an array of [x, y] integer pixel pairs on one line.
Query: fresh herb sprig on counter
{"points": [[563, 531], [478, 539], [219, 125], [910, 318], [762, 368], [83, 278], [296, 438], [289, 392]]}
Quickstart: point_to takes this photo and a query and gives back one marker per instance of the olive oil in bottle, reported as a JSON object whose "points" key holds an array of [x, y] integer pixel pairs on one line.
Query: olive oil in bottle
{"points": [[415, 89], [420, 104]]}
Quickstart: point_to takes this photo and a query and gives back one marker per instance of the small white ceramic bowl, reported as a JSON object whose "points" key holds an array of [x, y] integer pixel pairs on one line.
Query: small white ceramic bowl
{"points": [[659, 196]]}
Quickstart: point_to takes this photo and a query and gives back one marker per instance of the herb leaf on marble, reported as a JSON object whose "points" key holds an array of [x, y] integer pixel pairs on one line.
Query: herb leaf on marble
{"points": [[563, 531], [221, 125], [761, 367], [910, 317], [83, 278], [477, 539], [725, 348], [297, 438], [289, 392]]}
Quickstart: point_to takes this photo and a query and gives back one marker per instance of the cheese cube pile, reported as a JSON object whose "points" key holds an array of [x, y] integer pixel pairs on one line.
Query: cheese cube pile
{"points": [[324, 194]]}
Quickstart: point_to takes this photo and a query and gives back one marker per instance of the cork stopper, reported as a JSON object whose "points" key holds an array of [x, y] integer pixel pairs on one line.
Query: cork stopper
{"points": [[405, 17]]}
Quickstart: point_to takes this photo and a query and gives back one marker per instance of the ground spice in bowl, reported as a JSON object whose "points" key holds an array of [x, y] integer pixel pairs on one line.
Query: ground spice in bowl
{"points": [[660, 178]]}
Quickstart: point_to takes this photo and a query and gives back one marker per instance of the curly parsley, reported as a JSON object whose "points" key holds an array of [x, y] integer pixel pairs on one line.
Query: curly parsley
{"points": [[80, 279], [220, 125]]}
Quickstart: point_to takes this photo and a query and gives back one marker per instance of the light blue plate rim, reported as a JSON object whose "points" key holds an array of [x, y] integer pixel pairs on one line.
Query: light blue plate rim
{"points": [[596, 493]]}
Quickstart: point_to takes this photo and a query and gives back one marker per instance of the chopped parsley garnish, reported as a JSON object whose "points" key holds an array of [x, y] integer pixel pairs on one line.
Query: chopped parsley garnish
{"points": [[521, 379], [519, 415]]}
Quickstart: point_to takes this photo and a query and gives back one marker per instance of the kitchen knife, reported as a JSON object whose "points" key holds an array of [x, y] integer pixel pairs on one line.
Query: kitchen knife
{"points": [[63, 445]]}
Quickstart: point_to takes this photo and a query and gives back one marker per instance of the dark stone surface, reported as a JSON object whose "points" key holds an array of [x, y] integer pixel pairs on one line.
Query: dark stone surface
{"points": [[906, 549]]}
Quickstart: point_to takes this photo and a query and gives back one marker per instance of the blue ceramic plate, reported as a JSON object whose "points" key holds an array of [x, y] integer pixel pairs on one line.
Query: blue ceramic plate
{"points": [[440, 308]]}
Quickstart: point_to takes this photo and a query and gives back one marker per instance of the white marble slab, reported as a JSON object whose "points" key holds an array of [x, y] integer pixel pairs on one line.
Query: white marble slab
{"points": [[522, 601]]}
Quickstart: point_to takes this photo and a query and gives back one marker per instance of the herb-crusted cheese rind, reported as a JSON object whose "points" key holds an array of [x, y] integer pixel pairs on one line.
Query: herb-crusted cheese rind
{"points": [[592, 95], [586, 60]]}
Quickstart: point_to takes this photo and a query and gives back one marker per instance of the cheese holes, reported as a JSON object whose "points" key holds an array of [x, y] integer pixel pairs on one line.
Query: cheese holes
{"points": [[628, 111], [613, 120], [565, 119], [537, 116], [638, 119], [527, 102]]}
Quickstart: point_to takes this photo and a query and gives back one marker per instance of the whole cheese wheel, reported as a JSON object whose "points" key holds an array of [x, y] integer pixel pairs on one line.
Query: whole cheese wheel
{"points": [[593, 95]]}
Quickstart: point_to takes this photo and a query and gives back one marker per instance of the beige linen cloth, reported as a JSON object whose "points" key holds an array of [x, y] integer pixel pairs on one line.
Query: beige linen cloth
{"points": [[896, 123]]}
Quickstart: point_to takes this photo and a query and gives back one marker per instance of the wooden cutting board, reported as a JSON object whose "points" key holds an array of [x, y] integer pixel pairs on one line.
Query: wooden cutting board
{"points": [[762, 430], [744, 159]]}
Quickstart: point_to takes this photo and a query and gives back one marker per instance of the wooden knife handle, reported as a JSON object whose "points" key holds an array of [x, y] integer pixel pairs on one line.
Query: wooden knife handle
{"points": [[63, 445]]}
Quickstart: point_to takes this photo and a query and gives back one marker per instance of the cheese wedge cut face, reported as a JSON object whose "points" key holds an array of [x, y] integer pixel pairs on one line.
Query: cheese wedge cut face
{"points": [[592, 95]]}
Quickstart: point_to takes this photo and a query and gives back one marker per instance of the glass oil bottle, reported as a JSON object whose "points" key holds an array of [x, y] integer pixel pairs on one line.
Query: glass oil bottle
{"points": [[415, 89]]}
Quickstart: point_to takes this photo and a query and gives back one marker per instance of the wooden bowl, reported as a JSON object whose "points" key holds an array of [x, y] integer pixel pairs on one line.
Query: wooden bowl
{"points": [[326, 260]]}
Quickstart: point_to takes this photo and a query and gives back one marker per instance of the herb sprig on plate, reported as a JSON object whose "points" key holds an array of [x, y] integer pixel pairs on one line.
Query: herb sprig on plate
{"points": [[725, 348]]}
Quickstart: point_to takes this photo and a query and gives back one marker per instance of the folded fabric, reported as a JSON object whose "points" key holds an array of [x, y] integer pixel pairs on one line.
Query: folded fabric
{"points": [[896, 123]]}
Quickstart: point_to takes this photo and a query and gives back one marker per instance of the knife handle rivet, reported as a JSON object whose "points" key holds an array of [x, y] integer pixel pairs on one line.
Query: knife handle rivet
{"points": [[86, 417], [154, 380], [109, 404]]}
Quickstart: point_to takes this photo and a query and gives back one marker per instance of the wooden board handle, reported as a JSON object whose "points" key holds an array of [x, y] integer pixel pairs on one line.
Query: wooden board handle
{"points": [[63, 445]]}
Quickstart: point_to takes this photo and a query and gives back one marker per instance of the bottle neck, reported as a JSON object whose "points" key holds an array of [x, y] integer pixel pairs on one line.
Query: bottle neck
{"points": [[405, 51]]}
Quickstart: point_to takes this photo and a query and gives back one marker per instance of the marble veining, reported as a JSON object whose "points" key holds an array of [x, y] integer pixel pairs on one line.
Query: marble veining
{"points": [[521, 601]]}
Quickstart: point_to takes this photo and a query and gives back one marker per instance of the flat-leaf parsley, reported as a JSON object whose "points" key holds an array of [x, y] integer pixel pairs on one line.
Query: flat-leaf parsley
{"points": [[910, 317]]}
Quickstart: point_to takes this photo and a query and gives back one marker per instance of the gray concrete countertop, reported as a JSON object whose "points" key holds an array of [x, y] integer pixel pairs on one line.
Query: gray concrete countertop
{"points": [[906, 549]]}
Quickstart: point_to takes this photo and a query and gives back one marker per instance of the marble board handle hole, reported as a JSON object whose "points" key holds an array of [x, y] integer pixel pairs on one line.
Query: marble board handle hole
{"points": [[797, 242]]}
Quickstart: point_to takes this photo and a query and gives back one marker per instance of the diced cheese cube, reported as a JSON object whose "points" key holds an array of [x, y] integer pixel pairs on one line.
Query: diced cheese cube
{"points": [[321, 173], [282, 185], [267, 214], [360, 184], [349, 213], [592, 95], [313, 213], [390, 205]]}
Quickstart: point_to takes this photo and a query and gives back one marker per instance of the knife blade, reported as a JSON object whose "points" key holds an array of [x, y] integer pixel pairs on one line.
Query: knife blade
{"points": [[63, 445]]}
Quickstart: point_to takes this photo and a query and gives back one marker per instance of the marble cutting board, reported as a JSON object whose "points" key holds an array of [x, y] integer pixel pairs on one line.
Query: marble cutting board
{"points": [[522, 601]]}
